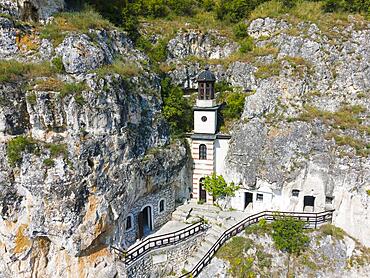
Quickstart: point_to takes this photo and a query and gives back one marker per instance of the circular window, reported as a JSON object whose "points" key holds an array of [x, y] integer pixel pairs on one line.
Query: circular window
{"points": [[204, 119]]}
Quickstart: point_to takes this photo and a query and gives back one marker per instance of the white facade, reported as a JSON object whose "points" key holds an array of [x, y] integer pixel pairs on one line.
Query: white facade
{"points": [[205, 122], [206, 102], [253, 199], [221, 147]]}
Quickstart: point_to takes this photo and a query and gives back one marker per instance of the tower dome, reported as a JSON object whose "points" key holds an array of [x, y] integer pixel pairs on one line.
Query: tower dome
{"points": [[206, 76]]}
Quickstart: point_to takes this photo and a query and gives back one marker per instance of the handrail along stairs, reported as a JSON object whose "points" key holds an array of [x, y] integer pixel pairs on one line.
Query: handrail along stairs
{"points": [[308, 217]]}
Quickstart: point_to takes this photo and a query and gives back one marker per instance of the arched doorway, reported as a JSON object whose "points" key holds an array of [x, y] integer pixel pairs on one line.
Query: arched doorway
{"points": [[202, 192], [145, 221]]}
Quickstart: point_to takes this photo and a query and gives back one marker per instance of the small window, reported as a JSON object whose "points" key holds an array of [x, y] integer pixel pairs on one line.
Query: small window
{"points": [[329, 200], [128, 223], [202, 151], [295, 192], [259, 197], [161, 206]]}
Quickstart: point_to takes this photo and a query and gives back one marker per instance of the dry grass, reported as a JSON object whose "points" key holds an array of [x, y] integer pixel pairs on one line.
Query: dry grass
{"points": [[122, 67], [12, 70], [50, 84], [79, 22]]}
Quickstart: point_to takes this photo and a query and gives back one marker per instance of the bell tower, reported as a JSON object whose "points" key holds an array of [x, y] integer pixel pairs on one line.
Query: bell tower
{"points": [[204, 138], [205, 111]]}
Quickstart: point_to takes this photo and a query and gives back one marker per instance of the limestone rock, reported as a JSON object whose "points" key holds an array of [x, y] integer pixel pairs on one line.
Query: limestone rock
{"points": [[8, 44], [80, 55], [31, 9]]}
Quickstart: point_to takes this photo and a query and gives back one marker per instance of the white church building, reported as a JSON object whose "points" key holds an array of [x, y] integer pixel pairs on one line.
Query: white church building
{"points": [[209, 148]]}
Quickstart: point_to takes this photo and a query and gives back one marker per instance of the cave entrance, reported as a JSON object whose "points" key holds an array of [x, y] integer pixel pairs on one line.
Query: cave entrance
{"points": [[145, 221], [309, 203], [248, 199]]}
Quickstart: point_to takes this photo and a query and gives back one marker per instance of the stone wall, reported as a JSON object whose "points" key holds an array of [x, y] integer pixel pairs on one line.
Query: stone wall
{"points": [[165, 262], [159, 218]]}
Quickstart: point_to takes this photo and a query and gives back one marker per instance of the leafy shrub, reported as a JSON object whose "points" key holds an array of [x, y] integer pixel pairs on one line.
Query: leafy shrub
{"points": [[246, 45], [156, 52], [176, 109], [289, 236], [17, 146], [346, 5], [234, 105], [240, 31], [261, 228], [217, 186], [57, 64], [223, 86], [368, 192]]}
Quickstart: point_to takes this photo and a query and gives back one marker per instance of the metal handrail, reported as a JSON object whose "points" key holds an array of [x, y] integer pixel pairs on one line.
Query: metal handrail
{"points": [[150, 243], [319, 218]]}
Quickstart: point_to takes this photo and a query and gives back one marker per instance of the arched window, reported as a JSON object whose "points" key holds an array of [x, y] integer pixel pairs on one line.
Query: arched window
{"points": [[128, 223], [202, 151], [161, 205]]}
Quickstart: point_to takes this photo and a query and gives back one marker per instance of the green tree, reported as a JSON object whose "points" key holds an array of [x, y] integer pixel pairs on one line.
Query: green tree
{"points": [[176, 109], [288, 235], [218, 187]]}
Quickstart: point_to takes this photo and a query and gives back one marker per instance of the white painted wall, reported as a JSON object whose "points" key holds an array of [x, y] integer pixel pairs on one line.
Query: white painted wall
{"points": [[206, 102], [237, 202], [221, 147], [209, 126]]}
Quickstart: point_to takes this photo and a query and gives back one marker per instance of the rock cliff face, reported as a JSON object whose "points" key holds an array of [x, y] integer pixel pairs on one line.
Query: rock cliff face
{"points": [[305, 120], [82, 142], [31, 9]]}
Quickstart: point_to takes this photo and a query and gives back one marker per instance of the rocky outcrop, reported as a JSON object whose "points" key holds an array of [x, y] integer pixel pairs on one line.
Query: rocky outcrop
{"points": [[83, 144], [328, 254], [304, 83], [33, 10]]}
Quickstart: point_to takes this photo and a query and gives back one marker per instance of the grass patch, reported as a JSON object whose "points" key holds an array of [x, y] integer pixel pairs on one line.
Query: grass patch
{"points": [[121, 67], [368, 192], [268, 70], [11, 70], [362, 149], [335, 232], [57, 150], [234, 252], [50, 84], [58, 64], [48, 162], [347, 117], [261, 228], [32, 99], [80, 22], [17, 146]]}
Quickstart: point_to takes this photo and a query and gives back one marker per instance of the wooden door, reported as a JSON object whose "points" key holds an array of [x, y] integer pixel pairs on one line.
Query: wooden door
{"points": [[141, 225]]}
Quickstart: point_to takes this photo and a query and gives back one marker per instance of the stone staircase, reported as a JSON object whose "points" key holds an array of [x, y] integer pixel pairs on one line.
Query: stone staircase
{"points": [[218, 220]]}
